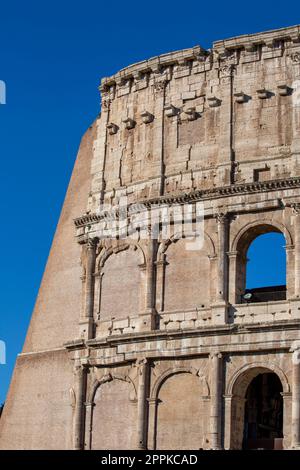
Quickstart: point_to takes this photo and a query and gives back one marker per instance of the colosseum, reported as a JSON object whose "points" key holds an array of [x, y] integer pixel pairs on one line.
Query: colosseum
{"points": [[137, 342]]}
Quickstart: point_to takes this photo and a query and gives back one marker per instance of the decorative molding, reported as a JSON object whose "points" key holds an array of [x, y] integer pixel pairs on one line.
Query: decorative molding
{"points": [[204, 194], [224, 56]]}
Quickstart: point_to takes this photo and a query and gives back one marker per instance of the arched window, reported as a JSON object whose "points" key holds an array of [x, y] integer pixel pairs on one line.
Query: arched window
{"points": [[261, 270]]}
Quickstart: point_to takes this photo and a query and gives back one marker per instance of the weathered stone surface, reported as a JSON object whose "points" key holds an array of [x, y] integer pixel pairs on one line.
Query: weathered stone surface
{"points": [[159, 349]]}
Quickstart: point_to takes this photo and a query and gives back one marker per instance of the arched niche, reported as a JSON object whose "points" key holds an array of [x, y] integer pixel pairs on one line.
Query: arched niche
{"points": [[181, 413], [187, 279], [113, 421], [119, 282]]}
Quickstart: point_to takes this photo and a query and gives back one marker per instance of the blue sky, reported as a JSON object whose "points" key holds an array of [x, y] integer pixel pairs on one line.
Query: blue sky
{"points": [[52, 55]]}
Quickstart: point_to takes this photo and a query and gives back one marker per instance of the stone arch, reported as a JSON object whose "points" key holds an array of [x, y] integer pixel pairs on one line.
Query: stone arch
{"points": [[257, 228], [181, 399], [236, 391], [251, 370], [111, 408], [107, 252], [108, 378], [240, 245], [119, 282], [175, 238], [178, 370]]}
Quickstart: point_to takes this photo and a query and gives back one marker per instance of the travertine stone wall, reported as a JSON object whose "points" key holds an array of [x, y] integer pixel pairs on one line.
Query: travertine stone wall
{"points": [[156, 335], [200, 118]]}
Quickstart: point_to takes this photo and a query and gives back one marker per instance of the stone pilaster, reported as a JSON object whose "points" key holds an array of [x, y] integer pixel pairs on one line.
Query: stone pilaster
{"points": [[219, 306], [222, 224], [232, 258], [150, 276], [296, 210], [87, 321], [142, 404], [152, 404], [290, 283], [88, 425], [216, 400], [160, 283], [226, 152], [296, 397], [78, 424], [227, 420]]}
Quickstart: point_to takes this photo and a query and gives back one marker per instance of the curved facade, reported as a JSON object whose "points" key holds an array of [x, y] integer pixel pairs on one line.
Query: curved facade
{"points": [[147, 335]]}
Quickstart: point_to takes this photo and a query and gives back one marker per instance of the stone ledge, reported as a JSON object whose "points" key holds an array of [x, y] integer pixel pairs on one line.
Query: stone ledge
{"points": [[267, 38], [193, 196], [153, 64], [114, 340]]}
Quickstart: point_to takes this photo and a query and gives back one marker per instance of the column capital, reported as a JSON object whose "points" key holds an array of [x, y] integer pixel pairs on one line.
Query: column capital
{"points": [[153, 401], [295, 206], [88, 242], [232, 254], [78, 369], [214, 355], [91, 243], [295, 346], [221, 217], [141, 362], [89, 404]]}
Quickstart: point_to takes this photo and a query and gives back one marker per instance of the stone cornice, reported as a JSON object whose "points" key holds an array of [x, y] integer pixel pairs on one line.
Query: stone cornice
{"points": [[266, 38], [225, 329], [201, 195], [182, 57], [154, 64]]}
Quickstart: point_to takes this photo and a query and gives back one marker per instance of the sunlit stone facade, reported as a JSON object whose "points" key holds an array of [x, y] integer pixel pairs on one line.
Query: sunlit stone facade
{"points": [[139, 342]]}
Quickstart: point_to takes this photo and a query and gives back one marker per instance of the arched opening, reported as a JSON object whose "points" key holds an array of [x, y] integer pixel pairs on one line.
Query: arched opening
{"points": [[263, 418], [261, 265], [257, 410]]}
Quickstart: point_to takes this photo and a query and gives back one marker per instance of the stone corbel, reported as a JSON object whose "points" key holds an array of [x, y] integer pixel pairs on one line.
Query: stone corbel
{"points": [[129, 123], [240, 97], [191, 114], [262, 93], [112, 128], [147, 117], [224, 53], [171, 110], [270, 43], [250, 47], [120, 81], [283, 89], [295, 38], [213, 101]]}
